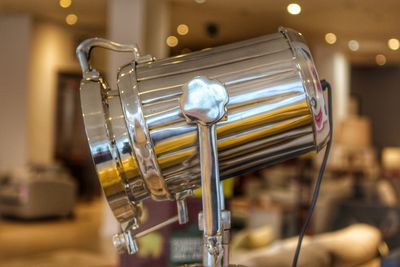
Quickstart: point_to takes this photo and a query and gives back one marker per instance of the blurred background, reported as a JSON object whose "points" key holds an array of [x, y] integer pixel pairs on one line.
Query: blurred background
{"points": [[52, 212]]}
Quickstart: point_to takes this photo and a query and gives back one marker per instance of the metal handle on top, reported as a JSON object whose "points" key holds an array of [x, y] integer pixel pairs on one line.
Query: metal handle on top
{"points": [[83, 52]]}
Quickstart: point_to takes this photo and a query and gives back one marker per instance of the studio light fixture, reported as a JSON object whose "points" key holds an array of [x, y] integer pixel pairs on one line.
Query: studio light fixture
{"points": [[170, 126]]}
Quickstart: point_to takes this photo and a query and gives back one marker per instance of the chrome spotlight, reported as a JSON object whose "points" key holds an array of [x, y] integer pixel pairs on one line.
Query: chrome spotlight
{"points": [[172, 125]]}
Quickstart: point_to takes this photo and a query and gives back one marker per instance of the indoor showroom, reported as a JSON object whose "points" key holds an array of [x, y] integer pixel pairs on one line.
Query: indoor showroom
{"points": [[199, 133]]}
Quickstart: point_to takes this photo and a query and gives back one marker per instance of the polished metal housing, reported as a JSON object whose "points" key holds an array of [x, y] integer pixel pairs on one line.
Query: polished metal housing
{"points": [[142, 145]]}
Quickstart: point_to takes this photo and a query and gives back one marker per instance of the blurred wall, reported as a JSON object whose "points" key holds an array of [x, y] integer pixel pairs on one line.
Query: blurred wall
{"points": [[15, 32], [125, 25], [157, 23], [378, 92], [33, 52], [52, 51]]}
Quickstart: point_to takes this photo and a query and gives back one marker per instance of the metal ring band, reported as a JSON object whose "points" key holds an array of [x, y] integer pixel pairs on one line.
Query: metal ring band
{"points": [[139, 134], [104, 152], [115, 132], [98, 109]]}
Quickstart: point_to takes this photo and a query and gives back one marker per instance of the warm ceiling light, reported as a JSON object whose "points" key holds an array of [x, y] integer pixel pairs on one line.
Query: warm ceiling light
{"points": [[380, 60], [172, 41], [65, 3], [394, 44], [200, 1], [182, 29], [330, 38], [294, 9], [354, 45], [71, 19]]}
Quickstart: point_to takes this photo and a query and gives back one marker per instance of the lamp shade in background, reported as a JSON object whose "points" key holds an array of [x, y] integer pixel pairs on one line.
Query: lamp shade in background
{"points": [[391, 158], [355, 132]]}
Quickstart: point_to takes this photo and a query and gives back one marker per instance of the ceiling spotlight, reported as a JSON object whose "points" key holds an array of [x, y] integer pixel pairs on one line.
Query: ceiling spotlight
{"points": [[354, 45], [182, 29], [294, 9], [394, 44], [200, 1], [172, 41], [380, 60], [330, 38], [71, 19], [65, 3]]}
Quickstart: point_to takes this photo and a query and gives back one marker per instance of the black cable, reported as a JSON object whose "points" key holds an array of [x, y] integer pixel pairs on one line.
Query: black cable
{"points": [[325, 85]]}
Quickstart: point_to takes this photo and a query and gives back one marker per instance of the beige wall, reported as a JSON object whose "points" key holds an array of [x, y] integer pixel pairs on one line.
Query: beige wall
{"points": [[52, 51], [157, 24], [15, 32], [32, 53], [46, 50]]}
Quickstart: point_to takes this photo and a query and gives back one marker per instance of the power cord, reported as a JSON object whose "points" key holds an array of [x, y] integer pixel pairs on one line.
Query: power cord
{"points": [[325, 86]]}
